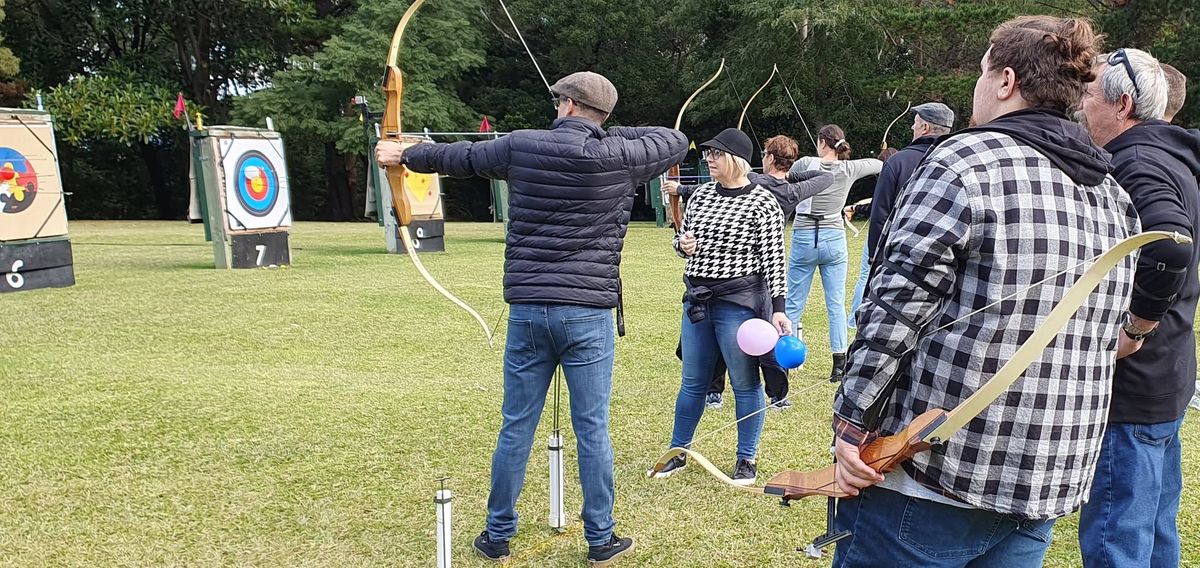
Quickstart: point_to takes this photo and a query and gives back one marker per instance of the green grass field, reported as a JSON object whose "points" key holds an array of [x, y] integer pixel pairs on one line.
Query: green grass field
{"points": [[162, 412]]}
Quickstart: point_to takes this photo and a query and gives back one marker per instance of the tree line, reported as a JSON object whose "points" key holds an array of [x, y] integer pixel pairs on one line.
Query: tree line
{"points": [[109, 72]]}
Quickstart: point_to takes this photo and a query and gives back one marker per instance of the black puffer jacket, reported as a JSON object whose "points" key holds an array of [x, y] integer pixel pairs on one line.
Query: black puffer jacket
{"points": [[1157, 164], [571, 190]]}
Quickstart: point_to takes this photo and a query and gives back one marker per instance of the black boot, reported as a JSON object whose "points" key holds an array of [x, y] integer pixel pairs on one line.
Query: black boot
{"points": [[839, 368]]}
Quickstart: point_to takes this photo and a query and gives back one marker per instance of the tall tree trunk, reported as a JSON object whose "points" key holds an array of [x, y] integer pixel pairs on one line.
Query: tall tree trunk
{"points": [[163, 201], [339, 201]]}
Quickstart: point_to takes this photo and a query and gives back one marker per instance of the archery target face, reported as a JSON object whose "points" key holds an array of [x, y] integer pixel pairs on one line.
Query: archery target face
{"points": [[31, 198], [18, 181], [255, 184], [424, 190]]}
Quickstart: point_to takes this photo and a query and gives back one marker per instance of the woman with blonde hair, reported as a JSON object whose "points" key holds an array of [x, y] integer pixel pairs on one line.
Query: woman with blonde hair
{"points": [[819, 238], [778, 154], [732, 238]]}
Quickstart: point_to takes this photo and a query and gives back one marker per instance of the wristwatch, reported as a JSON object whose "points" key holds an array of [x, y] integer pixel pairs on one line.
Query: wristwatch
{"points": [[1133, 332]]}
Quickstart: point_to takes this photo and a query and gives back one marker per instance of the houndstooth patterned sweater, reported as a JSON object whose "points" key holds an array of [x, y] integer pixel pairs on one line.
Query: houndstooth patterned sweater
{"points": [[738, 232]]}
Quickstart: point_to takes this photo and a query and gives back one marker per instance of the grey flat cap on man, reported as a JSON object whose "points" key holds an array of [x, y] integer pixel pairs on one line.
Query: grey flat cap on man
{"points": [[587, 88], [936, 114]]}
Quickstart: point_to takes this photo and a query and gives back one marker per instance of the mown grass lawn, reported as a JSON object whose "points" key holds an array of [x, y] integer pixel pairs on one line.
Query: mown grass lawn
{"points": [[162, 412]]}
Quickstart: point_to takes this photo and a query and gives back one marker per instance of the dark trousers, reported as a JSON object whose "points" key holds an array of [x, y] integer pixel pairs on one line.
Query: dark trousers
{"points": [[775, 378]]}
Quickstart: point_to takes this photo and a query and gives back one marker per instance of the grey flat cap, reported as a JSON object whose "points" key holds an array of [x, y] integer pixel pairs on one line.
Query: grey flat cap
{"points": [[591, 89], [936, 113]]}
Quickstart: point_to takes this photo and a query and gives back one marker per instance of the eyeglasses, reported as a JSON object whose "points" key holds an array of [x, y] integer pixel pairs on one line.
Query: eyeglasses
{"points": [[557, 101], [1119, 56], [712, 154]]}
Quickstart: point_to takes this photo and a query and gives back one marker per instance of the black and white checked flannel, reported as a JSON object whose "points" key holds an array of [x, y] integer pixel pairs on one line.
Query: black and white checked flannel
{"points": [[985, 217], [738, 232]]}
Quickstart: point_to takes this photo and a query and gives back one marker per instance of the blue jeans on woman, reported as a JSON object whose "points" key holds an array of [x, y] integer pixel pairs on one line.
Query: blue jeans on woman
{"points": [[540, 338], [701, 342], [860, 287], [891, 529], [830, 256], [1129, 520]]}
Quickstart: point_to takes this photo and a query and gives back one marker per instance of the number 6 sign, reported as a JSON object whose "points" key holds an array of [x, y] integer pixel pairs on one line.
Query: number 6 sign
{"points": [[16, 280]]}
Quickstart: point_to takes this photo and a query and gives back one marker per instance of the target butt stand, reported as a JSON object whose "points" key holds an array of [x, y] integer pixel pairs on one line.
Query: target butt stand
{"points": [[35, 247], [240, 192]]}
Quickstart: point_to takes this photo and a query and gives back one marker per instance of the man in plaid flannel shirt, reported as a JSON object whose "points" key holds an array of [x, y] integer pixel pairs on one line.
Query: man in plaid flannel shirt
{"points": [[990, 213]]}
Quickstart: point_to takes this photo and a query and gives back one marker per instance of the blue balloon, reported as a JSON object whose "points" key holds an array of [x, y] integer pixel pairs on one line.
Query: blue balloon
{"points": [[790, 352]]}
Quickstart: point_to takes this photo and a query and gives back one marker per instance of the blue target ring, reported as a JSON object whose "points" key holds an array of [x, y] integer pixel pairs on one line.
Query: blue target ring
{"points": [[257, 183]]}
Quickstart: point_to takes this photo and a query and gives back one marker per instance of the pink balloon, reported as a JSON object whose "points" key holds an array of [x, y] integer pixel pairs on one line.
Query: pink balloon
{"points": [[757, 337]]}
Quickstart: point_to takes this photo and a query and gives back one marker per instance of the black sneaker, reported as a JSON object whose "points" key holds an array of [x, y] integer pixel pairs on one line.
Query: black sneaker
{"points": [[609, 552], [780, 403], [673, 465], [745, 472], [491, 549], [713, 400]]}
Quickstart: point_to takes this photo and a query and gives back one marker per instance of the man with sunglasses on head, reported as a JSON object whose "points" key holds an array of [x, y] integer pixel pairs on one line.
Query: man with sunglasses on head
{"points": [[1130, 518], [571, 191]]}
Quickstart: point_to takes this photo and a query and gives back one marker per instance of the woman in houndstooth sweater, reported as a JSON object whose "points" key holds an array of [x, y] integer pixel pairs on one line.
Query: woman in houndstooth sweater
{"points": [[732, 238]]}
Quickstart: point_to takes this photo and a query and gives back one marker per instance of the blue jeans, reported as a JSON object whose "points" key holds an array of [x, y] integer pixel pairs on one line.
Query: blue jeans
{"points": [[831, 257], [701, 342], [891, 529], [1130, 518], [540, 337], [860, 287]]}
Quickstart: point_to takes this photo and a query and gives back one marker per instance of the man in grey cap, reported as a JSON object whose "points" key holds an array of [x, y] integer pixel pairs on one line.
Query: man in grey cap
{"points": [[571, 191], [930, 121]]}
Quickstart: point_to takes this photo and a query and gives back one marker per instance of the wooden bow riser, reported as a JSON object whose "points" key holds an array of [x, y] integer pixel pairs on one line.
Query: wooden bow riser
{"points": [[674, 202], [883, 455], [393, 86]]}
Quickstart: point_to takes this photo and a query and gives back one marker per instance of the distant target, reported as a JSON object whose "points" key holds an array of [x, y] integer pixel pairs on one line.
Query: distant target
{"points": [[257, 183], [18, 181]]}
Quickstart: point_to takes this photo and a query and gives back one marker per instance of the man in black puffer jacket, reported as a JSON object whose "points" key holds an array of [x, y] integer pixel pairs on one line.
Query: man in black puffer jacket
{"points": [[571, 191], [1130, 518]]}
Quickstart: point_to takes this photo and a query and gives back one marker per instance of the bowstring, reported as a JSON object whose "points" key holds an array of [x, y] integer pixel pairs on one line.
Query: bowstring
{"points": [[947, 325], [738, 95], [797, 107], [530, 53]]}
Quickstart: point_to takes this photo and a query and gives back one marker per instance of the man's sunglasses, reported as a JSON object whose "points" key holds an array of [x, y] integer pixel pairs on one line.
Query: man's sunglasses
{"points": [[1119, 56]]}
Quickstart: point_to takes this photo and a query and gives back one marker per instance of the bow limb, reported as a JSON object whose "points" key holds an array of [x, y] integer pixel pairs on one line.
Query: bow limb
{"points": [[675, 204], [884, 145], [742, 118], [708, 466], [391, 129], [936, 426]]}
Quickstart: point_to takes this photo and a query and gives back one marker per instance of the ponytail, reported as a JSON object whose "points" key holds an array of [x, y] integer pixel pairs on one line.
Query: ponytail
{"points": [[835, 138]]}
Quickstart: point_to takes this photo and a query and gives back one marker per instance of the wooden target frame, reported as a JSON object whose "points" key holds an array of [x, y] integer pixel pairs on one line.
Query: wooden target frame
{"points": [[239, 181], [35, 249]]}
